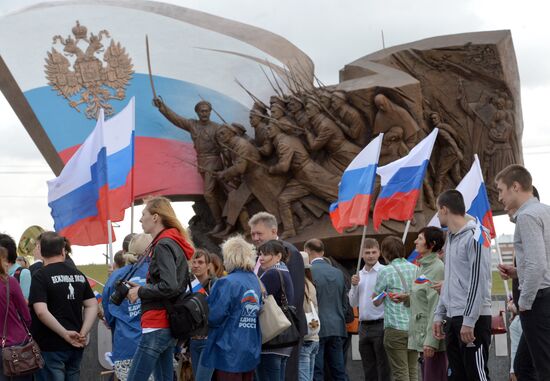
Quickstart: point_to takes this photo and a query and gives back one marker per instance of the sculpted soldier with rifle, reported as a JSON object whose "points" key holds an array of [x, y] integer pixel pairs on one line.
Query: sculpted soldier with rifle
{"points": [[203, 133]]}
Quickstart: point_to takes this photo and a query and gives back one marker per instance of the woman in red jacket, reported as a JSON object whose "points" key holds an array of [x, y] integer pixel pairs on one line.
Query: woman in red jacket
{"points": [[168, 275]]}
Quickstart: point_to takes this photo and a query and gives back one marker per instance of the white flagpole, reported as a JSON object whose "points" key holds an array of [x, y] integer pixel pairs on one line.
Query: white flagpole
{"points": [[361, 248], [132, 217], [500, 261], [407, 226], [132, 192], [110, 235]]}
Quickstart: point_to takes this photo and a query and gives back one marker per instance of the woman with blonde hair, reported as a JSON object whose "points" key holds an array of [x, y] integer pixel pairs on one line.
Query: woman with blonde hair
{"points": [[234, 336], [168, 275], [14, 314]]}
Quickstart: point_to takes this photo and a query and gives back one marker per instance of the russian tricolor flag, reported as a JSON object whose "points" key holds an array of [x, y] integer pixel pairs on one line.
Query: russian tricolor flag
{"points": [[401, 183], [481, 234], [197, 286], [476, 201], [474, 192], [95, 184], [380, 296], [422, 280], [355, 190], [477, 205]]}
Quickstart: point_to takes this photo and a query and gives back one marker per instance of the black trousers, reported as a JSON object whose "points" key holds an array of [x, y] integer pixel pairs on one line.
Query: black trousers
{"points": [[292, 364], [533, 354], [373, 355], [468, 362]]}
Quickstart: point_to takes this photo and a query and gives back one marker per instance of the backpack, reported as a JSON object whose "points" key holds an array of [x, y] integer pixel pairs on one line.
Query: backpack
{"points": [[187, 313]]}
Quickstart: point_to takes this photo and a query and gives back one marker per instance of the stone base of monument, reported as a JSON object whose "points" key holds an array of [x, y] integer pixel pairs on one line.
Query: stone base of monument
{"points": [[344, 247]]}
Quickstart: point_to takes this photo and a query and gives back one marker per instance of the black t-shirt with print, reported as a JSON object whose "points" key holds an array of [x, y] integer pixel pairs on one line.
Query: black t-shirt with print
{"points": [[62, 288]]}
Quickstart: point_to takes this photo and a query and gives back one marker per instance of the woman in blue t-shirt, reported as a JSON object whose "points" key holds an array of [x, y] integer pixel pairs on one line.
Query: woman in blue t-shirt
{"points": [[125, 319]]}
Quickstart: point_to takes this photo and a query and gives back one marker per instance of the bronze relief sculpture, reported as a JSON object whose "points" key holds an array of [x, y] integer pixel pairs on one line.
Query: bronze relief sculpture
{"points": [[465, 85]]}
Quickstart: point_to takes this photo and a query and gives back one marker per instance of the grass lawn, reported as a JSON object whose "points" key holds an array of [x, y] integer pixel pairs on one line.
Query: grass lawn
{"points": [[97, 272]]}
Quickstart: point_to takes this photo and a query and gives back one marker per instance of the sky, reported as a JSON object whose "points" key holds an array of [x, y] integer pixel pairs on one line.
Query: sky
{"points": [[333, 33]]}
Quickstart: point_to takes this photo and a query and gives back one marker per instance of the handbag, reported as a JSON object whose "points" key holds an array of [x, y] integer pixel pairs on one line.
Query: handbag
{"points": [[290, 336], [21, 359], [313, 322], [498, 326], [272, 319]]}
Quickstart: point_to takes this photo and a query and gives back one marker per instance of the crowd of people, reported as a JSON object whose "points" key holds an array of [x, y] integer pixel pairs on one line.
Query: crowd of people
{"points": [[430, 319]]}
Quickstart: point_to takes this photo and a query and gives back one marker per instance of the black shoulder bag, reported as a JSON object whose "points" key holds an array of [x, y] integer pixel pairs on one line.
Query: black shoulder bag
{"points": [[187, 313], [291, 336]]}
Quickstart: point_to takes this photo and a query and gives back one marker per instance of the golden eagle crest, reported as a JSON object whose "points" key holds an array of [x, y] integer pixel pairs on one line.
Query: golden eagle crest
{"points": [[89, 82]]}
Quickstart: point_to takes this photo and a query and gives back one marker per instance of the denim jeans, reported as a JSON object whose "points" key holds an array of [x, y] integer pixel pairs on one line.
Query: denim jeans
{"points": [[331, 352], [200, 372], [154, 354], [308, 351], [60, 366], [271, 367]]}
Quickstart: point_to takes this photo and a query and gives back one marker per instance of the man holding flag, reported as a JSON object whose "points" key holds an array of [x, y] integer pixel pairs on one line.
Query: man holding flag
{"points": [[465, 304]]}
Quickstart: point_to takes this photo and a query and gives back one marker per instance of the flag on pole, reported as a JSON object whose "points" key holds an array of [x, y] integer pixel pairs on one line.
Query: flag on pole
{"points": [[476, 202], [401, 183], [475, 197], [94, 186], [481, 234], [355, 190], [119, 135]]}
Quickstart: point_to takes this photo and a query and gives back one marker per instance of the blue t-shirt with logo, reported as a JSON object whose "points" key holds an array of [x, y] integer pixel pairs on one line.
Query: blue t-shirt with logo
{"points": [[125, 319]]}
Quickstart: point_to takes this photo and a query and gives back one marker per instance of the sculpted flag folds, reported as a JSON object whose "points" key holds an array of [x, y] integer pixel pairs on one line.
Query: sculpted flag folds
{"points": [[62, 61]]}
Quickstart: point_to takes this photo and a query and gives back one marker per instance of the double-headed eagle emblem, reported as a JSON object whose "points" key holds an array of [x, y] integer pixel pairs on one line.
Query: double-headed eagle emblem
{"points": [[89, 82]]}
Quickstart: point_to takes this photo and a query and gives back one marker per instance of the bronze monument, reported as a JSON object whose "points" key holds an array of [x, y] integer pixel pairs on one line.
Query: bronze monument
{"points": [[465, 85]]}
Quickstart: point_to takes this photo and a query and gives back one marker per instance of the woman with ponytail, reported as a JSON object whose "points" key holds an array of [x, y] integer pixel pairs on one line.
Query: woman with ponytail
{"points": [[168, 275]]}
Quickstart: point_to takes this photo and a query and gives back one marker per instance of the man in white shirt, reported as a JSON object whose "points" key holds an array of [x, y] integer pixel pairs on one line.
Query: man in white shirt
{"points": [[371, 329]]}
